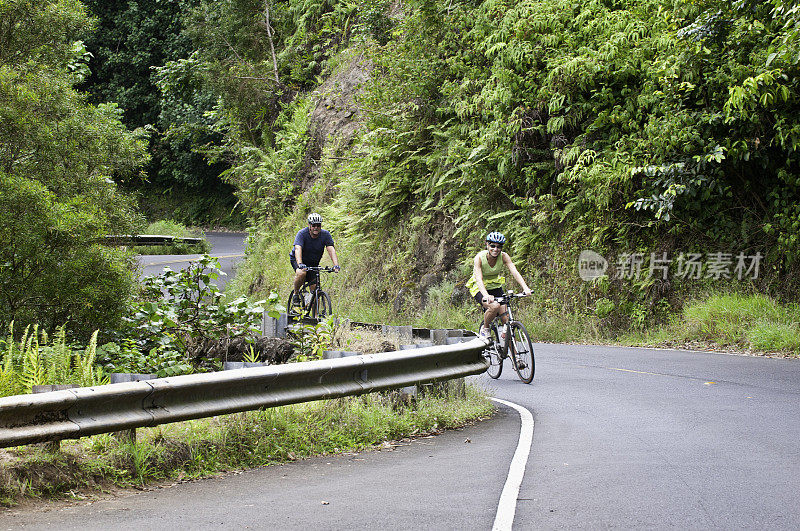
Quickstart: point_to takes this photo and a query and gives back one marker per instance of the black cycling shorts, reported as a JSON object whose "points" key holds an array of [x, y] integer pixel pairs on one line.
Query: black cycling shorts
{"points": [[496, 292], [311, 276]]}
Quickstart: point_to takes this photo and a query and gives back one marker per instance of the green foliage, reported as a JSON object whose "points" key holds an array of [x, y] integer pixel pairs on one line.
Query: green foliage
{"points": [[266, 177], [752, 322], [142, 61], [311, 340], [208, 446], [179, 311], [37, 359], [58, 155]]}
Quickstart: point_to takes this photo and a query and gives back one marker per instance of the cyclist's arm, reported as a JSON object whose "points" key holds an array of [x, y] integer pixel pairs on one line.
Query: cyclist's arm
{"points": [[298, 253], [332, 254], [477, 272], [514, 273]]}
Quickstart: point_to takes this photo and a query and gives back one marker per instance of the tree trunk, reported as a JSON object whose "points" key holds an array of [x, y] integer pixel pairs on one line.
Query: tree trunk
{"points": [[269, 34]]}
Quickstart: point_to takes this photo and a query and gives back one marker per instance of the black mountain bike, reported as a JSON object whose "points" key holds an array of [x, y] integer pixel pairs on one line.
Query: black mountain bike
{"points": [[316, 304], [517, 342]]}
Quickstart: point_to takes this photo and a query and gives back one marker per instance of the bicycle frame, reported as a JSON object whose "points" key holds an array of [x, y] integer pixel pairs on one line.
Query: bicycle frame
{"points": [[509, 314], [515, 339], [308, 307]]}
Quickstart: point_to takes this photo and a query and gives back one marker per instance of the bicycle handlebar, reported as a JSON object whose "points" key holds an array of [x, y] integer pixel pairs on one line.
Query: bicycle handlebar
{"points": [[508, 295], [327, 269]]}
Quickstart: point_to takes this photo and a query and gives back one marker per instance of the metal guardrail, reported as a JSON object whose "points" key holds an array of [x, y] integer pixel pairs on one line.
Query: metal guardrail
{"points": [[73, 413], [149, 239]]}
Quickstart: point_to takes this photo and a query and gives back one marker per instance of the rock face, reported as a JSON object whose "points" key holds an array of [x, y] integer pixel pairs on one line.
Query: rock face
{"points": [[335, 120], [336, 114], [334, 125]]}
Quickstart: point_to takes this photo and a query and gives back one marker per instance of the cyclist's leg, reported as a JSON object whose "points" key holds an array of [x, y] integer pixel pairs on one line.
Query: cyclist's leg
{"points": [[491, 309], [312, 280], [503, 314], [488, 312], [299, 274]]}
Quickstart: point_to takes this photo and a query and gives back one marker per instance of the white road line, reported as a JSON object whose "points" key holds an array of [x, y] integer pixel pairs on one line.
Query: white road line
{"points": [[508, 498]]}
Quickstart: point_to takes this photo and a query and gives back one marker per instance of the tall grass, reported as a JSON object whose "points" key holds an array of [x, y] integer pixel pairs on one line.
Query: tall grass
{"points": [[207, 446], [36, 359], [746, 322]]}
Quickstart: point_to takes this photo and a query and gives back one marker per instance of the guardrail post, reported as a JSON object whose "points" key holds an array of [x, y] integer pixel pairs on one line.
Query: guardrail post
{"points": [[439, 337], [456, 387], [280, 327], [52, 446], [120, 377], [405, 332], [269, 325]]}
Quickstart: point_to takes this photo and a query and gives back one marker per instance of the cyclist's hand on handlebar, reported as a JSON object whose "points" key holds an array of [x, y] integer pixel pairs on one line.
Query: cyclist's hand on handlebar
{"points": [[488, 299], [336, 268], [527, 292], [302, 266]]}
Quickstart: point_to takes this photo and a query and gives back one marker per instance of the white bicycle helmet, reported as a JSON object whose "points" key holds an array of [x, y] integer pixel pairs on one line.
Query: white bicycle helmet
{"points": [[314, 218], [496, 237]]}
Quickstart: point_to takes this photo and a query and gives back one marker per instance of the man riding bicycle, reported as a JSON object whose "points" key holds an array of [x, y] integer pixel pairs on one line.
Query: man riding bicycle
{"points": [[487, 280], [309, 245]]}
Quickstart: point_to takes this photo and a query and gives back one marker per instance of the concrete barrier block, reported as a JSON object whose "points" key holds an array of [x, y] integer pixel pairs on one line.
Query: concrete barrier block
{"points": [[439, 337], [405, 332]]}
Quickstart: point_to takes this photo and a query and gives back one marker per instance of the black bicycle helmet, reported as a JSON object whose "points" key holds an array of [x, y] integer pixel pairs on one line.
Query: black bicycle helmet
{"points": [[496, 237], [314, 218]]}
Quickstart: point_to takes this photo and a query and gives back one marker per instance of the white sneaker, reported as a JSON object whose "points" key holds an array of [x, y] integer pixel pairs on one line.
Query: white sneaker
{"points": [[484, 333]]}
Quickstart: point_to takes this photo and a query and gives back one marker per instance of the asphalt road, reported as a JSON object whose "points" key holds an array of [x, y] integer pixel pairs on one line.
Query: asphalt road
{"points": [[227, 246], [624, 438]]}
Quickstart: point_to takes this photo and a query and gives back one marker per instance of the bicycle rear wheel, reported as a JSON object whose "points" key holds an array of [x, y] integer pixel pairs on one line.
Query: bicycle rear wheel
{"points": [[493, 354], [522, 352], [322, 306]]}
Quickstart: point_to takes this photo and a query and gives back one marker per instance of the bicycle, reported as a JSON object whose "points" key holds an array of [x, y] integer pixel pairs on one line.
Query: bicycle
{"points": [[316, 304], [522, 356]]}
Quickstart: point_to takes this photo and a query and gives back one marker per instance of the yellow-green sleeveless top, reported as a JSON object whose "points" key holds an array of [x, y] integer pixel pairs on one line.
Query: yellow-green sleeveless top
{"points": [[492, 276]]}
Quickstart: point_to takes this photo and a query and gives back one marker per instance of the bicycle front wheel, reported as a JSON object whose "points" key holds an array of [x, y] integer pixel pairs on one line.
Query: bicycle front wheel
{"points": [[522, 352], [493, 354], [293, 308], [322, 307]]}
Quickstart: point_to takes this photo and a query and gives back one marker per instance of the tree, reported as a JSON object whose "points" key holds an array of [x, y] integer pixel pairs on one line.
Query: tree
{"points": [[134, 41], [58, 157]]}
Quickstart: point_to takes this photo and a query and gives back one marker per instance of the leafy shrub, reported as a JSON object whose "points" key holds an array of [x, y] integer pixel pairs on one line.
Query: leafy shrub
{"points": [[178, 312], [753, 321], [57, 196], [171, 228]]}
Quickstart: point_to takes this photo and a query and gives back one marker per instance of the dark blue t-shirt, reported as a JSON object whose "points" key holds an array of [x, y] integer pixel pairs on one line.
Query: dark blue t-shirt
{"points": [[312, 247]]}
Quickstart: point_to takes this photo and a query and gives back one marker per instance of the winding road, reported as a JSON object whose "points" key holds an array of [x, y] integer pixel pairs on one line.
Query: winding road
{"points": [[622, 438], [228, 247]]}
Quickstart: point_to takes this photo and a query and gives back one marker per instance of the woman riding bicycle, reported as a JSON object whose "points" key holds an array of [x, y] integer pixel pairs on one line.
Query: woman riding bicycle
{"points": [[487, 280]]}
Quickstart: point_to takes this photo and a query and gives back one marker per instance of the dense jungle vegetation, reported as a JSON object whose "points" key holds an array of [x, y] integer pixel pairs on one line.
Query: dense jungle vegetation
{"points": [[661, 134]]}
